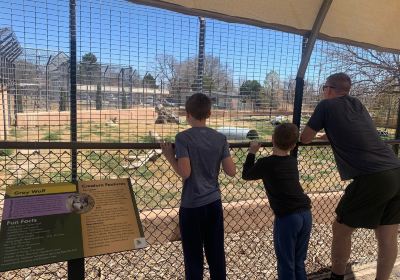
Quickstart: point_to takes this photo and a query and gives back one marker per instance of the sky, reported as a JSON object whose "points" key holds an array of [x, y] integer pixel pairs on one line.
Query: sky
{"points": [[123, 33]]}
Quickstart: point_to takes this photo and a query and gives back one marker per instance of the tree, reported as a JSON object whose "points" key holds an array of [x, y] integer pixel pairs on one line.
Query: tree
{"points": [[63, 101], [89, 69], [167, 67], [251, 88], [380, 71], [181, 76], [149, 81], [271, 87], [99, 101], [375, 77]]}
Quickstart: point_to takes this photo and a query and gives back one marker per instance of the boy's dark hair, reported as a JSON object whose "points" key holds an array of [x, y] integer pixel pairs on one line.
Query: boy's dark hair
{"points": [[199, 106], [340, 82], [286, 136]]}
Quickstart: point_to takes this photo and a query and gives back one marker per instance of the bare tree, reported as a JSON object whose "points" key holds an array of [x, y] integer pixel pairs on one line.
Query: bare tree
{"points": [[378, 71], [181, 76], [168, 69], [376, 79]]}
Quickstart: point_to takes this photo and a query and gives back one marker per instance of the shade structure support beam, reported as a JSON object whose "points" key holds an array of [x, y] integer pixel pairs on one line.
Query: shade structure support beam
{"points": [[308, 46]]}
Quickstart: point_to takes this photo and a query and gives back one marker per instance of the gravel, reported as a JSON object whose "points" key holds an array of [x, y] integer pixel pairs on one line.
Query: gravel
{"points": [[250, 255]]}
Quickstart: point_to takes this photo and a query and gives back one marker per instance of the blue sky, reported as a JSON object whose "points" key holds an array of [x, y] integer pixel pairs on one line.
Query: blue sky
{"points": [[120, 32]]}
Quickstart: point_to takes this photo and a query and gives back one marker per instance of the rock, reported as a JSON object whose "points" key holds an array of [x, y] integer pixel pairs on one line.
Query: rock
{"points": [[165, 116]]}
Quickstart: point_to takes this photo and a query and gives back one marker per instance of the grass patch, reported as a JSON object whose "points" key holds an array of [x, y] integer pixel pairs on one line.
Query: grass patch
{"points": [[51, 136], [307, 177], [144, 172], [16, 133], [264, 130], [6, 152], [111, 140]]}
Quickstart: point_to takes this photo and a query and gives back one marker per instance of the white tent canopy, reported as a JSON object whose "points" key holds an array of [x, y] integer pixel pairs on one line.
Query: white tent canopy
{"points": [[366, 23]]}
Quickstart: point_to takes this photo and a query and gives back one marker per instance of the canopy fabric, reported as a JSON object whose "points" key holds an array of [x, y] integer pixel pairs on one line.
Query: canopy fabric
{"points": [[366, 23]]}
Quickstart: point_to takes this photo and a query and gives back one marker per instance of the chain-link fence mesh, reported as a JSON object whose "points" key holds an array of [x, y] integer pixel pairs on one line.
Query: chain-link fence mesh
{"points": [[248, 217], [136, 66]]}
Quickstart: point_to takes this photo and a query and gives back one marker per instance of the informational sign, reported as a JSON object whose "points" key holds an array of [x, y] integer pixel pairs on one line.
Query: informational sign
{"points": [[49, 223]]}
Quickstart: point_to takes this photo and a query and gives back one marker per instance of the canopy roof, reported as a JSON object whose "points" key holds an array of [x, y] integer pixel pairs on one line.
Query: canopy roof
{"points": [[366, 23]]}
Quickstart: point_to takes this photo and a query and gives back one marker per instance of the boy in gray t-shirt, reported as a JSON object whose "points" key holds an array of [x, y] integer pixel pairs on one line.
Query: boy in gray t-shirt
{"points": [[199, 152]]}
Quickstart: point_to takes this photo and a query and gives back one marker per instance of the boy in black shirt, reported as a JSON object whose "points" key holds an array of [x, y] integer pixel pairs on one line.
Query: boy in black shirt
{"points": [[291, 206]]}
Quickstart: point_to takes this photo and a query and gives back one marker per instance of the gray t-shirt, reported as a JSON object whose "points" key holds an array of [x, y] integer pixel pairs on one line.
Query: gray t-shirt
{"points": [[206, 148], [356, 144]]}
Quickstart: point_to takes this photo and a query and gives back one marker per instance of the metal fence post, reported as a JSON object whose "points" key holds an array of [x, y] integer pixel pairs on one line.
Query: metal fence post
{"points": [[200, 63], [76, 268], [397, 135]]}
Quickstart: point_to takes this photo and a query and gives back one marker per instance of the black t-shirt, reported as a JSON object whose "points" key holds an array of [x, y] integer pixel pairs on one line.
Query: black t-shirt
{"points": [[280, 176], [355, 142]]}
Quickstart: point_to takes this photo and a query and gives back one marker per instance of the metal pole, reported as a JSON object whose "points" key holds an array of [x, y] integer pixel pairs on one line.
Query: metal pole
{"points": [[47, 84], [308, 46], [119, 74], [104, 79], [76, 268], [4, 112], [143, 86], [130, 86], [123, 97], [299, 90], [200, 63], [397, 135], [2, 81]]}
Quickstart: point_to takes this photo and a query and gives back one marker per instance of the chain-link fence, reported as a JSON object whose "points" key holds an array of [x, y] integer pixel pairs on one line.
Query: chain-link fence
{"points": [[126, 81], [248, 217]]}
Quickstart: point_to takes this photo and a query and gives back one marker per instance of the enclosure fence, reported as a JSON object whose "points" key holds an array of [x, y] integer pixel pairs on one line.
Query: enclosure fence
{"points": [[89, 89]]}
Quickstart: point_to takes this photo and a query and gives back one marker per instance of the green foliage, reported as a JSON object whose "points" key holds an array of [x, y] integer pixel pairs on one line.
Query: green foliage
{"points": [[149, 81], [147, 139], [271, 86], [239, 157], [89, 58], [107, 162], [111, 140], [89, 69], [144, 172], [264, 130], [307, 177], [25, 181], [51, 136], [6, 152], [250, 88]]}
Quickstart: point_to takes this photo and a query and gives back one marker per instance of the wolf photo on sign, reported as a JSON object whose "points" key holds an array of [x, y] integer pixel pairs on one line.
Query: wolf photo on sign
{"points": [[80, 203]]}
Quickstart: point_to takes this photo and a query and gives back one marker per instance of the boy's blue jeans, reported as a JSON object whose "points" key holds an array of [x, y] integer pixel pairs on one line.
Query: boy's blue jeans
{"points": [[203, 227], [291, 236]]}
